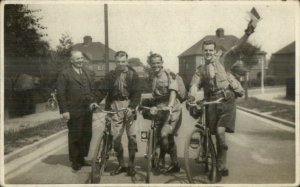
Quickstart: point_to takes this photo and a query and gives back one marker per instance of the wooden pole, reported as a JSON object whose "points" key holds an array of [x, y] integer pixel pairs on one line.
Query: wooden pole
{"points": [[106, 53]]}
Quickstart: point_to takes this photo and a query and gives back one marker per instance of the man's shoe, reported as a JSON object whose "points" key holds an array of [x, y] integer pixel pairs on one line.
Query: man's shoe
{"points": [[224, 172], [85, 163], [131, 171], [173, 168], [76, 166], [118, 170]]}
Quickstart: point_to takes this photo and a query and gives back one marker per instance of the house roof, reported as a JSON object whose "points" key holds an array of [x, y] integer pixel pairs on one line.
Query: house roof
{"points": [[225, 42], [94, 51], [289, 49], [135, 62]]}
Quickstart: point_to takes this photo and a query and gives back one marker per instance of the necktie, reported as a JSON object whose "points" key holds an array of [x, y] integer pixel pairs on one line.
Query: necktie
{"points": [[210, 70]]}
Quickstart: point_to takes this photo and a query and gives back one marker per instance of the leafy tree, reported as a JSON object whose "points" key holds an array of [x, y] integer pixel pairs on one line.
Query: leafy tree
{"points": [[64, 48], [23, 44], [24, 52], [22, 32], [58, 59], [246, 53]]}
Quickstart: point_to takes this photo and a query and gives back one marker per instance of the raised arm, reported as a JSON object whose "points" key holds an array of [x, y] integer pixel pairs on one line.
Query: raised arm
{"points": [[248, 31]]}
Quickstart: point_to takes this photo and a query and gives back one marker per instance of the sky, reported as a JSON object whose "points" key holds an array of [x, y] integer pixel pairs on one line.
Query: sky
{"points": [[168, 28]]}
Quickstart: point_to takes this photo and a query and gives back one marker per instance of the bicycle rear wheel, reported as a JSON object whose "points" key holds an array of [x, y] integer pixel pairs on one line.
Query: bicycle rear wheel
{"points": [[149, 155], [196, 157], [99, 159]]}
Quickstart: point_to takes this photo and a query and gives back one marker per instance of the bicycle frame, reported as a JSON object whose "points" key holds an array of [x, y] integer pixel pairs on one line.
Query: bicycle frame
{"points": [[151, 149], [206, 143], [103, 147]]}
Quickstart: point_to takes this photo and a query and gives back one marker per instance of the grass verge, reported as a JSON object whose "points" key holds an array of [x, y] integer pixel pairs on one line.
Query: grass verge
{"points": [[279, 110], [17, 139]]}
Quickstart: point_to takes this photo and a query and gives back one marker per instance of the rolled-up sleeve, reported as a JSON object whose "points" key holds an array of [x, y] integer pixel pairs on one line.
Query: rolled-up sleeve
{"points": [[195, 82]]}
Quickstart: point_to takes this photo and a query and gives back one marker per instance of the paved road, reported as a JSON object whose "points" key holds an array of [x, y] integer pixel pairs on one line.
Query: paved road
{"points": [[260, 152]]}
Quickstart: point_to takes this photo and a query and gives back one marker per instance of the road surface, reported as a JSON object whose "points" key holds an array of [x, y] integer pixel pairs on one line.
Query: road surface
{"points": [[260, 152]]}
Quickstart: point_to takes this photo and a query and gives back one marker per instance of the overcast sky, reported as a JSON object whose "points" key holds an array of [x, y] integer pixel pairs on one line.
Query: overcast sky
{"points": [[167, 28]]}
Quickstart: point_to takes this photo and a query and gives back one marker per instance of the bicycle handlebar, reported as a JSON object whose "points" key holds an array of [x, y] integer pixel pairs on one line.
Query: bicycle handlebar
{"points": [[207, 102], [110, 112], [151, 108]]}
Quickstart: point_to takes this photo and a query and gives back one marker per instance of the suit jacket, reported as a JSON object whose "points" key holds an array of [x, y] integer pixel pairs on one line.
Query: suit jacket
{"points": [[71, 94]]}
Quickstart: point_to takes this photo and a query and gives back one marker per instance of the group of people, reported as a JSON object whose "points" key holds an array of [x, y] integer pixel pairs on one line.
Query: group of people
{"points": [[77, 96]]}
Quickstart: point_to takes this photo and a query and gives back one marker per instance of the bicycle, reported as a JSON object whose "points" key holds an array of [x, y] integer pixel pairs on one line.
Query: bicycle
{"points": [[200, 149], [52, 101], [152, 150], [103, 149]]}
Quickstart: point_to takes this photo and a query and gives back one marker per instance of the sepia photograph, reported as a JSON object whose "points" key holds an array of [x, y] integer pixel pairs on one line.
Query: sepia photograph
{"points": [[149, 93]]}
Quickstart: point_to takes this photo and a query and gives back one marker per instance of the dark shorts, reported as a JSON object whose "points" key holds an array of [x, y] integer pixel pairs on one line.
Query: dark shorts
{"points": [[222, 115]]}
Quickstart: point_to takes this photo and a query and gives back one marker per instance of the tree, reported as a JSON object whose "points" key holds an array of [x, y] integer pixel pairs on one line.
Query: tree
{"points": [[246, 53], [64, 48], [24, 52], [22, 32]]}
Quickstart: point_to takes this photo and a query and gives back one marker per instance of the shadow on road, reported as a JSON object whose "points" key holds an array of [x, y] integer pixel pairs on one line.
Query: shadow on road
{"points": [[62, 159]]}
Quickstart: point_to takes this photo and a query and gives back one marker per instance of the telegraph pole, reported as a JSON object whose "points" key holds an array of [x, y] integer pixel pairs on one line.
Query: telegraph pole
{"points": [[106, 53]]}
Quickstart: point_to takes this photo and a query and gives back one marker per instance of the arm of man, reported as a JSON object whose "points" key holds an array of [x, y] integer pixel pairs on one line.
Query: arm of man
{"points": [[62, 83], [195, 82], [101, 91], [135, 91], [248, 31]]}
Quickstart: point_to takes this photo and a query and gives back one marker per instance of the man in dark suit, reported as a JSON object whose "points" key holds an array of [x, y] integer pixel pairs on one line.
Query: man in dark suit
{"points": [[74, 94]]}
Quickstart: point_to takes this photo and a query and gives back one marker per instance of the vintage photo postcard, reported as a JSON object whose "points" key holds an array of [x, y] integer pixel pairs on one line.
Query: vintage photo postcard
{"points": [[149, 93]]}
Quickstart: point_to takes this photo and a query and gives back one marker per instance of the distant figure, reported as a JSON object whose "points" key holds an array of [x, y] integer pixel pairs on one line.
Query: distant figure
{"points": [[74, 94]]}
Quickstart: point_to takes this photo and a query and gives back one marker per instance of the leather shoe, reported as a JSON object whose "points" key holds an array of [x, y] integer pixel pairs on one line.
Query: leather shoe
{"points": [[131, 171], [118, 170], [76, 166], [173, 168], [224, 172], [85, 163]]}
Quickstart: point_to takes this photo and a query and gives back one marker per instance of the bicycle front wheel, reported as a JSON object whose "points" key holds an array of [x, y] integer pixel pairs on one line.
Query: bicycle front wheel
{"points": [[99, 159], [198, 157], [149, 155]]}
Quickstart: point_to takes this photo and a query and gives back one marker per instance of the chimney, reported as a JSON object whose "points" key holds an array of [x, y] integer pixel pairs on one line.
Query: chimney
{"points": [[87, 40], [220, 33]]}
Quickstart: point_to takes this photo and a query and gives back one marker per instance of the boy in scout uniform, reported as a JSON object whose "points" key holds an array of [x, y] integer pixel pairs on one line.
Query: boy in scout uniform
{"points": [[164, 96], [217, 82], [121, 88]]}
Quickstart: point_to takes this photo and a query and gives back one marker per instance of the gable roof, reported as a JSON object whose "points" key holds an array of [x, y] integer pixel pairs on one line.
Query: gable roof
{"points": [[225, 42], [289, 49], [94, 51]]}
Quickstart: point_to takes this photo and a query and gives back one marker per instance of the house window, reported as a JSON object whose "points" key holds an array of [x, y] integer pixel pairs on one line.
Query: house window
{"points": [[186, 65]]}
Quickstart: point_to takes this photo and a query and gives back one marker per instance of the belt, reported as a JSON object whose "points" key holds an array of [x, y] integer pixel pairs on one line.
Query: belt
{"points": [[161, 99], [218, 93], [121, 98]]}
